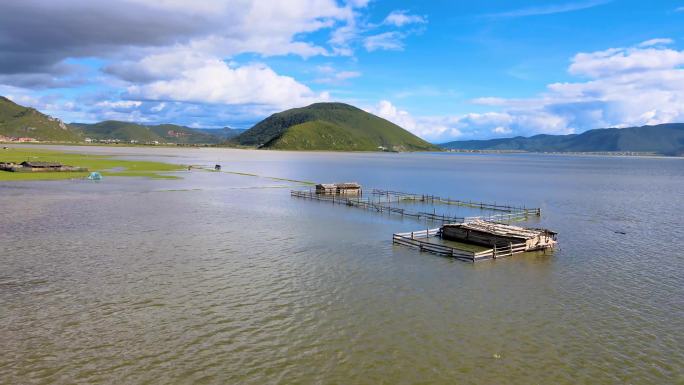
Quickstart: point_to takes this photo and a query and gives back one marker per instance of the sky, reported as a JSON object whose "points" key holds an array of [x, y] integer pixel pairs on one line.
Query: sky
{"points": [[444, 70]]}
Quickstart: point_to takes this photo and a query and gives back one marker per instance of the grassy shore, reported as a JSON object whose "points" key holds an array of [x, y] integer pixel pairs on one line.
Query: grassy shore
{"points": [[106, 165]]}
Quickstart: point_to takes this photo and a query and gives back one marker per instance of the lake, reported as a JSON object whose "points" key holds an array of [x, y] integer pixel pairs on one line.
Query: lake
{"points": [[224, 278]]}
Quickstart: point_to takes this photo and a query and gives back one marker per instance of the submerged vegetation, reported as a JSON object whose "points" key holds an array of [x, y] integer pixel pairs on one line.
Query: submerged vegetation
{"points": [[106, 165]]}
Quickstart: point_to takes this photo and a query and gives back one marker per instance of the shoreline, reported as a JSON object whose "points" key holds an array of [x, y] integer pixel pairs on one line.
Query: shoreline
{"points": [[617, 154]]}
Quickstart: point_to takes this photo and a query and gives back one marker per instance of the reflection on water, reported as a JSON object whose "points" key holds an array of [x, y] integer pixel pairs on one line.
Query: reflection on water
{"points": [[223, 278]]}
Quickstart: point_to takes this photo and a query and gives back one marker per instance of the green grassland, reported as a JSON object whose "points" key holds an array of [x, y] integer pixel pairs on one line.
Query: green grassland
{"points": [[106, 165]]}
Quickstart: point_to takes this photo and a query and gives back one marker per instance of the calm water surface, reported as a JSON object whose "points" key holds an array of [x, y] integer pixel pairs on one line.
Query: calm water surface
{"points": [[223, 278]]}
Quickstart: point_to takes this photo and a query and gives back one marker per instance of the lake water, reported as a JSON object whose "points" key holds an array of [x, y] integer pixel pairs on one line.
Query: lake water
{"points": [[224, 278]]}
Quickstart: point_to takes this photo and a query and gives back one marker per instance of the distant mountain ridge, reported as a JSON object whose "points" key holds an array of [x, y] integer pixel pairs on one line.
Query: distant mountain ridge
{"points": [[665, 139], [330, 126], [127, 132]]}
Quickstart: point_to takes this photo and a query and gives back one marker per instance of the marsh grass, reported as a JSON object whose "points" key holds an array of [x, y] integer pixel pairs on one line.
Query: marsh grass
{"points": [[104, 164]]}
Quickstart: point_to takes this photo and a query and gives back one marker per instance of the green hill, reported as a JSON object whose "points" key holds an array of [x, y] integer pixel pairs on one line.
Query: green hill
{"points": [[126, 132], [330, 126], [18, 121], [666, 139]]}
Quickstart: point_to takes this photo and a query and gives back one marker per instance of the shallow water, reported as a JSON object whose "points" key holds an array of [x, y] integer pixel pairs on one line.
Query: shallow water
{"points": [[223, 278]]}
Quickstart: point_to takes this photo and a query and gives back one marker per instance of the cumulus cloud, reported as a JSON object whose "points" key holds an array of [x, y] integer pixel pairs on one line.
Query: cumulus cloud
{"points": [[645, 57], [178, 51], [501, 130], [427, 127], [205, 79], [37, 37], [632, 86], [628, 86], [55, 31]]}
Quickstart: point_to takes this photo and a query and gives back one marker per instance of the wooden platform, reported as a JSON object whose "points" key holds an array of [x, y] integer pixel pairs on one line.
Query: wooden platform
{"points": [[486, 233]]}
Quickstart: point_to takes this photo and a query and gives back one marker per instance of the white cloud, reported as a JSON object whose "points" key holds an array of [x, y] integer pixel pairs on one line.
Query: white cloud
{"points": [[615, 61], [652, 42], [331, 76], [386, 41], [205, 79], [679, 9], [640, 85], [551, 9], [426, 127], [120, 104], [400, 18], [501, 130], [56, 31], [632, 86]]}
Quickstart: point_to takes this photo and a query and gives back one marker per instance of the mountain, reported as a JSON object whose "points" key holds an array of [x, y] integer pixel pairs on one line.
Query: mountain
{"points": [[24, 122], [665, 139], [126, 132], [223, 133], [330, 126]]}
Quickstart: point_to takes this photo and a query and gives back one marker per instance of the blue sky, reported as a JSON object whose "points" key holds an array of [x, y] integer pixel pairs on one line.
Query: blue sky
{"points": [[445, 70]]}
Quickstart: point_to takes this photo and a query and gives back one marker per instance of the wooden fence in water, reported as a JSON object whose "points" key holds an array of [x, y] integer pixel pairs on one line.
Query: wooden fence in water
{"points": [[510, 214], [380, 207], [413, 239], [417, 239], [399, 196]]}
